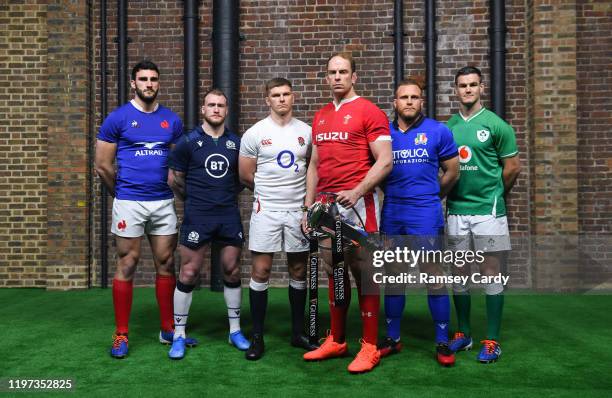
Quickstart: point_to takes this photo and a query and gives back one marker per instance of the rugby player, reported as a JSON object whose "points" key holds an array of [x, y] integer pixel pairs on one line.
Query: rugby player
{"points": [[273, 160], [476, 206], [204, 172], [140, 135], [413, 208], [351, 156]]}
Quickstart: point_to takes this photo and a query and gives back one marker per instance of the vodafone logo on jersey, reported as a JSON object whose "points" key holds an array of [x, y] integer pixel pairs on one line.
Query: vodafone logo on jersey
{"points": [[465, 154], [332, 136]]}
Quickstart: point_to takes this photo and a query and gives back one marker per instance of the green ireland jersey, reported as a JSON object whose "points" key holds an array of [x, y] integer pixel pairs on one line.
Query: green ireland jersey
{"points": [[483, 141]]}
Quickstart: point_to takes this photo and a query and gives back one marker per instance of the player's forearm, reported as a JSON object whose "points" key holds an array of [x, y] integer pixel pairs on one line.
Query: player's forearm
{"points": [[108, 176], [447, 182], [176, 180], [376, 175], [312, 179], [248, 180], [509, 177]]}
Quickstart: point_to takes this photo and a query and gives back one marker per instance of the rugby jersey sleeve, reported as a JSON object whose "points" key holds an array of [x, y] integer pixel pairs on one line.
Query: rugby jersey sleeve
{"points": [[376, 123], [505, 140], [248, 144], [447, 148], [110, 131], [177, 130], [180, 156]]}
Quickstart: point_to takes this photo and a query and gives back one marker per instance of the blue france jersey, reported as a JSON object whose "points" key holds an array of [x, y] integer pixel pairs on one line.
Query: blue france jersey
{"points": [[143, 143], [211, 176], [417, 154]]}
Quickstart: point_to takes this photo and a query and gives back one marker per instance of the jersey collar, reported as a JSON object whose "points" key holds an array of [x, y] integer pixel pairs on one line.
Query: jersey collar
{"points": [[337, 105], [418, 122], [473, 116], [200, 130], [135, 105]]}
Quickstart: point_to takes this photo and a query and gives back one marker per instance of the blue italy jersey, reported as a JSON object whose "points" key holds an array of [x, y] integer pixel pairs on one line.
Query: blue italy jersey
{"points": [[412, 188], [211, 180], [143, 143]]}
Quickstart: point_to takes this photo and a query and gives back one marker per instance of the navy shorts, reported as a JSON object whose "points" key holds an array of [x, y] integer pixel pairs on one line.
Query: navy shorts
{"points": [[195, 236]]}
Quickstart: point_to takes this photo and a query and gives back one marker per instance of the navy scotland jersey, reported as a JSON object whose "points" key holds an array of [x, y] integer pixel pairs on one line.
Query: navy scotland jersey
{"points": [[143, 142], [412, 188], [211, 181]]}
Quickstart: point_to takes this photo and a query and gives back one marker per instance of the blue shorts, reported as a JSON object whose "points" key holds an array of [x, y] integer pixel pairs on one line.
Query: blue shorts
{"points": [[195, 236], [419, 227]]}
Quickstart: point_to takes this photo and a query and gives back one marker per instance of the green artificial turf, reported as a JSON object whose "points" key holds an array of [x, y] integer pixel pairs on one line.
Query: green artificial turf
{"points": [[553, 345]]}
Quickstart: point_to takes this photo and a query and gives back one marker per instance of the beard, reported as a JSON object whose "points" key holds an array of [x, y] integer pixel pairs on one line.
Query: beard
{"points": [[214, 123], [146, 99], [409, 118]]}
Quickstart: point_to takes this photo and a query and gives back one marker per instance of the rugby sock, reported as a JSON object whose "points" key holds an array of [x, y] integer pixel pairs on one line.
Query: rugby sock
{"points": [[394, 308], [463, 302], [338, 314], [164, 291], [297, 300], [495, 306], [369, 305], [258, 295], [122, 301], [182, 301], [439, 306], [233, 299]]}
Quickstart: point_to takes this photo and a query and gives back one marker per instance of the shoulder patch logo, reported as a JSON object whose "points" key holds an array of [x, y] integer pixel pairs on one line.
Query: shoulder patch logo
{"points": [[230, 144], [483, 135]]}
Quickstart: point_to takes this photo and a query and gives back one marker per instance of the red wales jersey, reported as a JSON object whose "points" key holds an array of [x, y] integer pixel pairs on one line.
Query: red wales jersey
{"points": [[342, 134]]}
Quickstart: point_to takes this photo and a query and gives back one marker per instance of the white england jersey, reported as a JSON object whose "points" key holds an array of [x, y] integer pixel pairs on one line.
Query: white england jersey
{"points": [[281, 153]]}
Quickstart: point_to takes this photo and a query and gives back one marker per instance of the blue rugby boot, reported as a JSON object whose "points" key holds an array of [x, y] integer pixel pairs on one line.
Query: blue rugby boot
{"points": [[119, 349], [238, 340], [460, 342], [177, 351], [490, 351]]}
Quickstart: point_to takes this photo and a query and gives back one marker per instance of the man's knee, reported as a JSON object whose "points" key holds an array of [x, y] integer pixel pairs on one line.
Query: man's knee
{"points": [[260, 273], [190, 272]]}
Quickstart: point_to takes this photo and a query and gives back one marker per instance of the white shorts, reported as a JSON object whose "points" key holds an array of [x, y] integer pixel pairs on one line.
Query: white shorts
{"points": [[133, 218], [488, 233], [368, 209], [273, 231]]}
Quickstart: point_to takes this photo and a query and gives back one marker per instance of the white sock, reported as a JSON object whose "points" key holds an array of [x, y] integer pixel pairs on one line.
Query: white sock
{"points": [[182, 302], [233, 300]]}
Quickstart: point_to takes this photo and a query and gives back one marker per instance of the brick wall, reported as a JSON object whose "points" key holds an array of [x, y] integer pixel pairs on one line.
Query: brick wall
{"points": [[554, 150], [23, 144], [293, 39], [68, 145], [594, 154]]}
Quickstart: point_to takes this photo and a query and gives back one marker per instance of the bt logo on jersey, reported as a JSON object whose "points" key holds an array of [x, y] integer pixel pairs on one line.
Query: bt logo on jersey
{"points": [[216, 165]]}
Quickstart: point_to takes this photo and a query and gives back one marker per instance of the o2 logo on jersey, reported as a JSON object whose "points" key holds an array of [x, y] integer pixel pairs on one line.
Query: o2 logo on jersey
{"points": [[216, 165], [286, 159], [465, 154]]}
